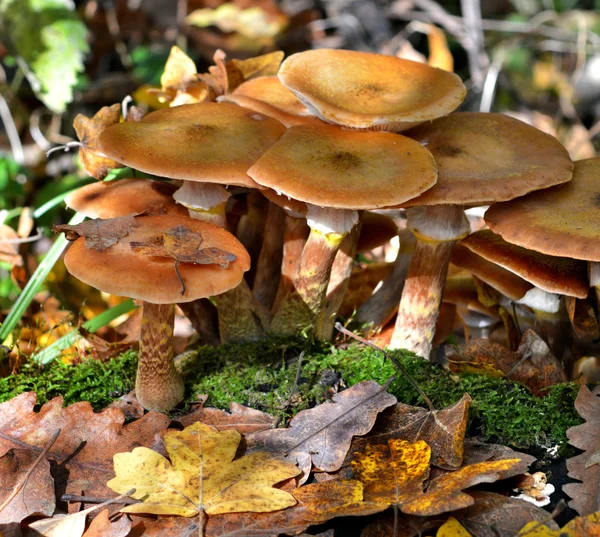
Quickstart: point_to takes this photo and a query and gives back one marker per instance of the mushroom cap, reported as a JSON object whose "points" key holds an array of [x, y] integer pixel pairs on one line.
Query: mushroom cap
{"points": [[483, 158], [121, 271], [508, 283], [560, 275], [332, 167], [267, 95], [377, 229], [205, 142], [370, 91], [123, 198], [560, 221]]}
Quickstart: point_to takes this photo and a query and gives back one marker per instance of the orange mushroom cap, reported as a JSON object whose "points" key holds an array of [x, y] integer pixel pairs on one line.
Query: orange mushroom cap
{"points": [[370, 91], [206, 142]]}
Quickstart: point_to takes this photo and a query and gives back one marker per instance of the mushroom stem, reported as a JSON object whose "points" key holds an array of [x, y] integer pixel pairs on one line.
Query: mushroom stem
{"points": [[437, 228], [204, 201], [250, 229], [203, 316], [158, 385]]}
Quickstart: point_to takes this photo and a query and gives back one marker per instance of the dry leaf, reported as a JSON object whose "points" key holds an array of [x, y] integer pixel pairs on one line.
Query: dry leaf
{"points": [[99, 234], [444, 430], [180, 83], [586, 495], [452, 528], [9, 248], [578, 527], [60, 525], [93, 160], [243, 419], [322, 435], [202, 476], [476, 451], [183, 246], [130, 406], [101, 526]]}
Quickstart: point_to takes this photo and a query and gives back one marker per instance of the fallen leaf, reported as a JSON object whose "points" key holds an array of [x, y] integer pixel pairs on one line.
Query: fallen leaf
{"points": [[94, 162], [582, 316], [183, 246], [130, 406], [99, 234], [101, 526], [444, 431], [202, 476], [180, 83], [586, 495], [322, 435], [243, 419], [239, 71], [9, 247], [578, 527], [452, 528], [476, 451]]}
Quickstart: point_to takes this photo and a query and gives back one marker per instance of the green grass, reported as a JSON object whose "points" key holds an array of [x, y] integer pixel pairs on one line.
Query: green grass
{"points": [[262, 374]]}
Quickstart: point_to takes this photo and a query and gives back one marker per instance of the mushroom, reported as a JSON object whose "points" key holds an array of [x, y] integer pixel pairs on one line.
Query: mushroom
{"points": [[336, 172], [155, 278], [363, 90], [481, 158]]}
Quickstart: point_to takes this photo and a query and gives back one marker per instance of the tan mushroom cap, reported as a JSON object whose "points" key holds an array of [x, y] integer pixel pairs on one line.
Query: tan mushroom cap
{"points": [[123, 272], [267, 95], [560, 275], [206, 142], [509, 284], [370, 91], [123, 198], [561, 221], [332, 167], [483, 158]]}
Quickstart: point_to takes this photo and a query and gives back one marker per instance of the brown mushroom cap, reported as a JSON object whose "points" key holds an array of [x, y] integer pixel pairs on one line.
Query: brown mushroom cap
{"points": [[561, 221], [123, 198], [332, 167], [370, 91], [267, 95], [483, 158], [207, 142], [560, 275], [123, 272], [377, 230]]}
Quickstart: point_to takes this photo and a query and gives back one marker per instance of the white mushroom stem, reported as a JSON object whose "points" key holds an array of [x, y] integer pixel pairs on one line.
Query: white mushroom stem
{"points": [[158, 385], [437, 228], [205, 201], [303, 308]]}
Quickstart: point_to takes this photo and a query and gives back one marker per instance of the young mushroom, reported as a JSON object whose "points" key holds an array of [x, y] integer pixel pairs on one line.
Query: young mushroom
{"points": [[161, 260]]}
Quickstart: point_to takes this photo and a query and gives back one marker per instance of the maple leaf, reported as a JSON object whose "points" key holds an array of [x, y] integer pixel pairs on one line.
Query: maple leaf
{"points": [[443, 430], [578, 527], [183, 245], [584, 467], [94, 161], [99, 234], [243, 419], [322, 435], [202, 476]]}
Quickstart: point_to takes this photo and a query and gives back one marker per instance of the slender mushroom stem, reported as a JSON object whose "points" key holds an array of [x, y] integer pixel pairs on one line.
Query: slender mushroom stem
{"points": [[437, 228], [158, 385], [251, 228]]}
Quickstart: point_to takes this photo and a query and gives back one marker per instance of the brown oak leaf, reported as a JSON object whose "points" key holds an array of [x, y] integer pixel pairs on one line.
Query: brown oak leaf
{"points": [[322, 435], [94, 162], [102, 526], [444, 431], [99, 234], [183, 246]]}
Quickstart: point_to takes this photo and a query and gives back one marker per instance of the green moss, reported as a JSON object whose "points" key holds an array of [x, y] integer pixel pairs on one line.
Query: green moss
{"points": [[262, 375]]}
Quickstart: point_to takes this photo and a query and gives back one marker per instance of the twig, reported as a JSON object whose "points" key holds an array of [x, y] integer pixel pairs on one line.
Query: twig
{"points": [[478, 59], [340, 328], [66, 148], [11, 131], [88, 499], [21, 483], [124, 104]]}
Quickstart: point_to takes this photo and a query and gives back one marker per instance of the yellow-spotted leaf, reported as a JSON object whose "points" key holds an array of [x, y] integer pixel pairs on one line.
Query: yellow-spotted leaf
{"points": [[588, 526], [202, 476]]}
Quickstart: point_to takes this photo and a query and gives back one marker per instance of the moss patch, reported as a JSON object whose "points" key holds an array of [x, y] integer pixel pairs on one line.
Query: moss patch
{"points": [[262, 375]]}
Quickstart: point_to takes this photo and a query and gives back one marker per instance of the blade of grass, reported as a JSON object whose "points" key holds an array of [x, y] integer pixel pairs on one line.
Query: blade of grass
{"points": [[36, 281], [51, 352]]}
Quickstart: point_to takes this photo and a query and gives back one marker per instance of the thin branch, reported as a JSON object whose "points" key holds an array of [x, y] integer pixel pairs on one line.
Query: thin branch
{"points": [[11, 131]]}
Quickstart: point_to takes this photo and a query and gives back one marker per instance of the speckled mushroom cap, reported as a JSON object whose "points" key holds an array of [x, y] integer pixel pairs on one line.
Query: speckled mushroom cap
{"points": [[123, 272], [483, 158], [206, 142], [559, 221], [363, 90], [269, 96], [123, 198], [331, 167], [560, 275]]}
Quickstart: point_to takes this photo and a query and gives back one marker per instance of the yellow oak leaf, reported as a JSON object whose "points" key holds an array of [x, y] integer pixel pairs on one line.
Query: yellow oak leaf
{"points": [[588, 526], [202, 476]]}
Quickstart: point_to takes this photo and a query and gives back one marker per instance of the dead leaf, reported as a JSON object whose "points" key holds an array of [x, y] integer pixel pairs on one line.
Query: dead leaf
{"points": [[9, 247], [444, 431], [101, 526], [476, 451], [586, 495], [130, 406], [239, 71], [180, 83], [243, 419], [322, 435], [452, 528], [202, 476], [94, 162], [582, 316], [99, 234], [578, 527], [183, 246]]}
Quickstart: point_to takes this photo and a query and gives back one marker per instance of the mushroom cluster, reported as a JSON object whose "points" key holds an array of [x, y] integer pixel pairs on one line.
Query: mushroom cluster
{"points": [[293, 158]]}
